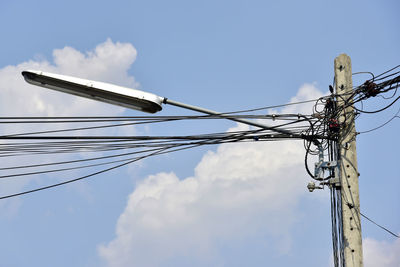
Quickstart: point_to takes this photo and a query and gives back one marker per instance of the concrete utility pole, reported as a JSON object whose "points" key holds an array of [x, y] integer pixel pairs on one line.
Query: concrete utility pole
{"points": [[347, 159]]}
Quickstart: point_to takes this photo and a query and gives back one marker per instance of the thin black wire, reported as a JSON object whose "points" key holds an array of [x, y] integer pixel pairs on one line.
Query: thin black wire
{"points": [[232, 137], [65, 169], [365, 72], [382, 125], [80, 128], [69, 147], [158, 152], [72, 180], [76, 161], [134, 118], [273, 117], [383, 73], [153, 118], [270, 107], [379, 110], [93, 174], [380, 226], [215, 141]]}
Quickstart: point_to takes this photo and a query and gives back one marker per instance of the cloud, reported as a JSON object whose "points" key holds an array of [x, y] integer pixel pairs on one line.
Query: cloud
{"points": [[381, 253], [238, 192], [108, 62]]}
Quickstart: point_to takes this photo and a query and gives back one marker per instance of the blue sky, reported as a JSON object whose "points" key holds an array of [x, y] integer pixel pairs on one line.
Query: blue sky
{"points": [[174, 210]]}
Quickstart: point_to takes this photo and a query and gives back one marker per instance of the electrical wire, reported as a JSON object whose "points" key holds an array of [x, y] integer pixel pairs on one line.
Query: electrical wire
{"points": [[379, 110], [382, 125], [319, 130], [380, 226], [164, 150], [72, 180]]}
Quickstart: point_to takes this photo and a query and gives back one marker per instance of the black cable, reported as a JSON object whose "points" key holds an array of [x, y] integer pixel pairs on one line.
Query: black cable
{"points": [[365, 72], [380, 226], [387, 71], [379, 110], [158, 152], [92, 174], [78, 129], [63, 169], [156, 118], [46, 120], [238, 138], [76, 161], [70, 181], [273, 117], [376, 128]]}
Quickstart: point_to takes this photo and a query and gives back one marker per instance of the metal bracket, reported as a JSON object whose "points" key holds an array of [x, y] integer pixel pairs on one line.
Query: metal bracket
{"points": [[320, 167], [334, 182]]}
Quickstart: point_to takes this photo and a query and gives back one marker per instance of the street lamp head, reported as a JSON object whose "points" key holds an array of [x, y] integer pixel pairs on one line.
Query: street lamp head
{"points": [[105, 92]]}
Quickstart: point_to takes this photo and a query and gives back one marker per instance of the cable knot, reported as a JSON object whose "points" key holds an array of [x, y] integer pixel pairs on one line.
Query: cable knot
{"points": [[371, 89]]}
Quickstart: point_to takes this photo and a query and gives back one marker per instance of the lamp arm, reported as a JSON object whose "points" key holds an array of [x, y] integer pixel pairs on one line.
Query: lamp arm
{"points": [[222, 115]]}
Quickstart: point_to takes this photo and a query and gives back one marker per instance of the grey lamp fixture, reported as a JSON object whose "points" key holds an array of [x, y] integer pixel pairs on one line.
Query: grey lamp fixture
{"points": [[105, 92]]}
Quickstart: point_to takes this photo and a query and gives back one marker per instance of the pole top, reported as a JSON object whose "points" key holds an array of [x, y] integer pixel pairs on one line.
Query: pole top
{"points": [[343, 59]]}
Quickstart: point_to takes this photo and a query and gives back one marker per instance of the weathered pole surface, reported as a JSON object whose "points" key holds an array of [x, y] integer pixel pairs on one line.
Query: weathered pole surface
{"points": [[347, 157]]}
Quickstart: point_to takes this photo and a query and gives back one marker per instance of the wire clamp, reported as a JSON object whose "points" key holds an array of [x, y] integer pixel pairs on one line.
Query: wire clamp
{"points": [[321, 166]]}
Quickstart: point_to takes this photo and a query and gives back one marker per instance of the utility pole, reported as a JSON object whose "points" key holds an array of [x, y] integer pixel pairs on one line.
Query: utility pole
{"points": [[347, 160]]}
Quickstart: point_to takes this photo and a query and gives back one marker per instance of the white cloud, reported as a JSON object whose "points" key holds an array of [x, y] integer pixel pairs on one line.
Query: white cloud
{"points": [[381, 253], [237, 192], [108, 61]]}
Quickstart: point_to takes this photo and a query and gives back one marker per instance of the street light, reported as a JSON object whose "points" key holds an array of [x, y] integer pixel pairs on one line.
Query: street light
{"points": [[104, 92], [122, 96]]}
